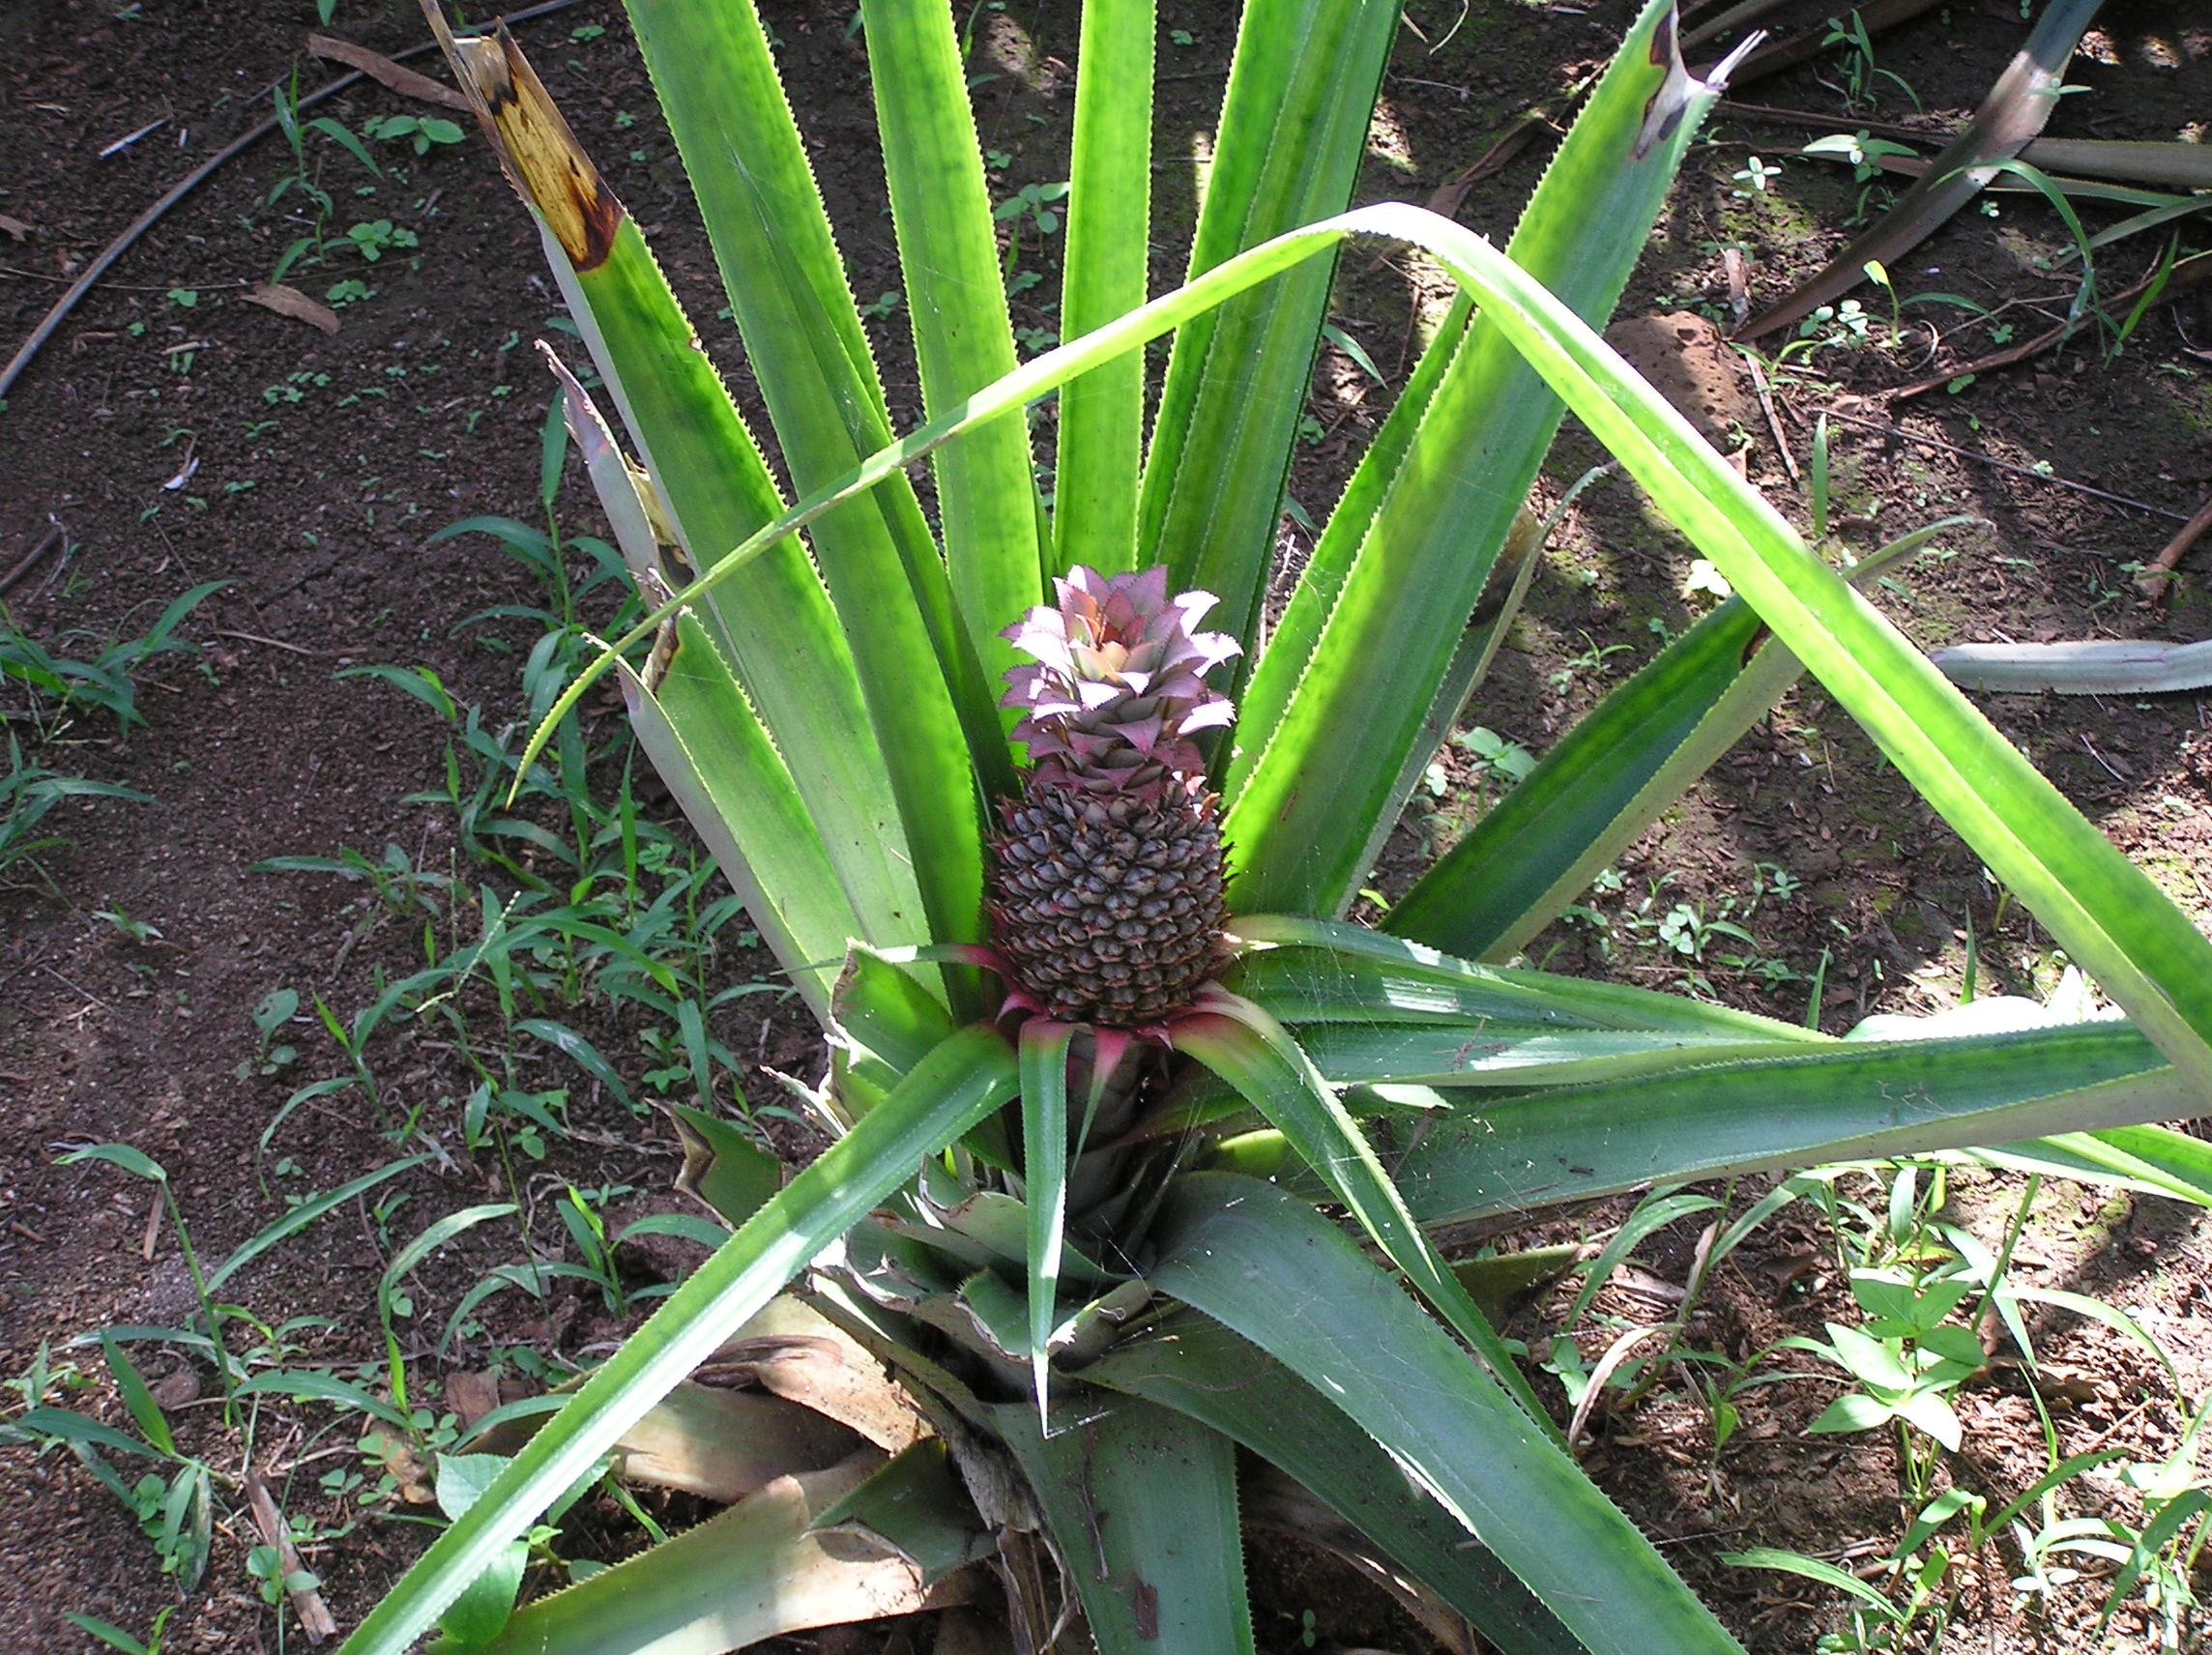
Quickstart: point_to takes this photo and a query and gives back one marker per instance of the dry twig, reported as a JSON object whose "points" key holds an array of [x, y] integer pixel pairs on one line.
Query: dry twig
{"points": [[307, 1602], [2055, 481], [2157, 578], [2181, 278]]}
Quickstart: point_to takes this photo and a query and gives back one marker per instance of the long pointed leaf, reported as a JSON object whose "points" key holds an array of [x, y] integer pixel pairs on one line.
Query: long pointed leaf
{"points": [[1398, 1374], [1045, 1165], [2154, 1159], [699, 729], [1106, 1475], [1103, 274], [1194, 1365], [2107, 915], [793, 657], [1253, 1053], [1608, 779], [986, 489], [1326, 971], [1540, 835], [1470, 657], [1491, 1055], [1851, 1100], [933, 718], [885, 1009], [968, 1076], [1274, 679], [1294, 128], [1411, 575], [2102, 666]]}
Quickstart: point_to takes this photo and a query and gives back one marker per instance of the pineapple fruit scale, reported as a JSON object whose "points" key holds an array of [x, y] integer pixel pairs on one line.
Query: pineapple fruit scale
{"points": [[1105, 895]]}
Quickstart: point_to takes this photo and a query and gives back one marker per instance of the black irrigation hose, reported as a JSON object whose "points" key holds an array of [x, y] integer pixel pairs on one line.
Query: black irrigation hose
{"points": [[191, 180], [29, 561]]}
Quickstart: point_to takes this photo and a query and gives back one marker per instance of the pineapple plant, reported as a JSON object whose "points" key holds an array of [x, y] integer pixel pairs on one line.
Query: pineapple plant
{"points": [[1116, 1313], [1106, 889]]}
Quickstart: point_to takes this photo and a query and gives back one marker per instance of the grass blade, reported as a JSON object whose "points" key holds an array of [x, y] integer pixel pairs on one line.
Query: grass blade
{"points": [[130, 1386], [303, 1215]]}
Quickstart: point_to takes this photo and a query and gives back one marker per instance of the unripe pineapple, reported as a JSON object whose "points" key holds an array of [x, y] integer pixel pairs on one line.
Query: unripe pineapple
{"points": [[1105, 894]]}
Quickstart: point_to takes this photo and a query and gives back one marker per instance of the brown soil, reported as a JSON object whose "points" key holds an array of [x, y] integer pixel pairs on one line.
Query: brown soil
{"points": [[313, 469]]}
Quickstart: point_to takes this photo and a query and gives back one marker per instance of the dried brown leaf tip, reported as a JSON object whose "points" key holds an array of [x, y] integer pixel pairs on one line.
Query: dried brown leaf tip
{"points": [[535, 147]]}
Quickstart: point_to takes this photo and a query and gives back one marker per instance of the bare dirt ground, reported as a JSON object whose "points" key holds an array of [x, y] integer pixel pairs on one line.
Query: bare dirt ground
{"points": [[177, 434]]}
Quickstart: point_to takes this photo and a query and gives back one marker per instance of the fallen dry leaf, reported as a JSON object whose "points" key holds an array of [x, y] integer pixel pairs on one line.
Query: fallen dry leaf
{"points": [[471, 1395], [15, 227], [377, 67], [291, 301], [175, 1390], [398, 1456], [1445, 200]]}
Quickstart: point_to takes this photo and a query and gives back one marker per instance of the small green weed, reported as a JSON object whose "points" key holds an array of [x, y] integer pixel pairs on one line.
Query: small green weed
{"points": [[601, 907], [276, 1010], [1924, 1286], [1860, 75], [376, 236], [115, 1638], [305, 178], [1034, 206], [28, 793], [58, 685], [52, 693], [1492, 757], [1591, 660], [420, 133]]}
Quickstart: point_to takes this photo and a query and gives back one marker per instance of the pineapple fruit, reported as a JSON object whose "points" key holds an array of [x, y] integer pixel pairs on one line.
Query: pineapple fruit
{"points": [[1105, 896]]}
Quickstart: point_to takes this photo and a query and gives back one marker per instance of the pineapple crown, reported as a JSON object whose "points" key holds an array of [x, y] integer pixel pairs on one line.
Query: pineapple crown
{"points": [[1119, 685]]}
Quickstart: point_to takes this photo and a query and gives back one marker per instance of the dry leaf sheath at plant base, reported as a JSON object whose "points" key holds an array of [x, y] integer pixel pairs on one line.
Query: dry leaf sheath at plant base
{"points": [[1101, 1311], [1105, 894]]}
